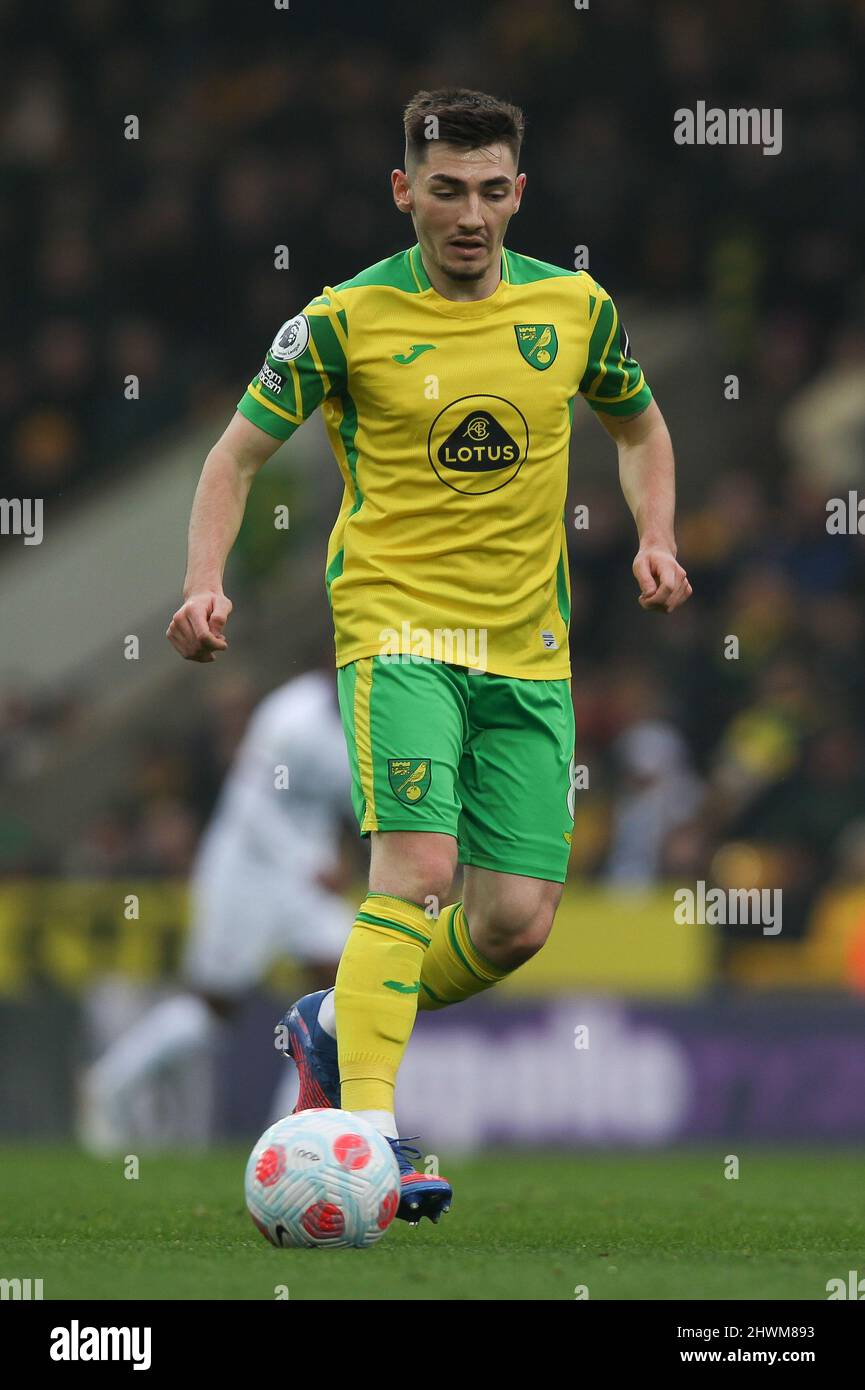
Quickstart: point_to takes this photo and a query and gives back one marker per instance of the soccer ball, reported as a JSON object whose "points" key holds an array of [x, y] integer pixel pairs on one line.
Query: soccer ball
{"points": [[322, 1178]]}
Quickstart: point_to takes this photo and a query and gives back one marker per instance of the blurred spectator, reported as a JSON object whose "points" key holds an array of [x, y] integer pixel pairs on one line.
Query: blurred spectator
{"points": [[823, 427], [658, 794]]}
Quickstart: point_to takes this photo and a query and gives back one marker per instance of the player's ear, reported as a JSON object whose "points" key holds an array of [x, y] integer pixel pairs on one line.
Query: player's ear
{"points": [[519, 186], [399, 182]]}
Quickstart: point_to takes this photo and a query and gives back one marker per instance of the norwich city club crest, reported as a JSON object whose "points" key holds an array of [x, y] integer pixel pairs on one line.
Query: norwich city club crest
{"points": [[409, 778], [538, 344]]}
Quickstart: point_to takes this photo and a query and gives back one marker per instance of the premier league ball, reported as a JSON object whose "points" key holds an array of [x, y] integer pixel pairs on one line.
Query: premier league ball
{"points": [[322, 1178]]}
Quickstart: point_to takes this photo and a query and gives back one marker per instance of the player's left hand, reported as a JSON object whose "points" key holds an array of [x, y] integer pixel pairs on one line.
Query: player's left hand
{"points": [[663, 583]]}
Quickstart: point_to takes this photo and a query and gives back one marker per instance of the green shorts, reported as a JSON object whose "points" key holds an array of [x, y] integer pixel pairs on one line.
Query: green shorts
{"points": [[488, 759]]}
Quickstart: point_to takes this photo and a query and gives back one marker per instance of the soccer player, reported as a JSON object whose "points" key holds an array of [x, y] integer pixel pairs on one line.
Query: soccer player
{"points": [[447, 375], [264, 885]]}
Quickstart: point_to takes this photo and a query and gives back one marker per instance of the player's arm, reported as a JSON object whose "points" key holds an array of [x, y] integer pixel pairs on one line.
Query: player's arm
{"points": [[648, 479], [196, 630], [614, 387], [305, 363]]}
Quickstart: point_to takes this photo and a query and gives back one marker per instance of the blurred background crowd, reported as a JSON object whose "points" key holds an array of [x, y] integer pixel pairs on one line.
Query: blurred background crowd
{"points": [[154, 257]]}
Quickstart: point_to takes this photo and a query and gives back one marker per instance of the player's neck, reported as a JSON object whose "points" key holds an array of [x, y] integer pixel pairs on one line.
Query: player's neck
{"points": [[464, 291]]}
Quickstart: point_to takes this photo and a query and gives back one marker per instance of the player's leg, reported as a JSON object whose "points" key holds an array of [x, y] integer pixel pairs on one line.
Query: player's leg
{"points": [[405, 725], [378, 980], [384, 949], [515, 836], [311, 926], [377, 992], [511, 917]]}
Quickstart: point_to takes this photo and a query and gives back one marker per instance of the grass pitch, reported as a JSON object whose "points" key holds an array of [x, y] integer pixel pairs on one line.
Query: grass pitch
{"points": [[662, 1225]]}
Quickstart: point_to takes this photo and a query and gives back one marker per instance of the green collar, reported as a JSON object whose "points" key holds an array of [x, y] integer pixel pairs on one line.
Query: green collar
{"points": [[422, 280]]}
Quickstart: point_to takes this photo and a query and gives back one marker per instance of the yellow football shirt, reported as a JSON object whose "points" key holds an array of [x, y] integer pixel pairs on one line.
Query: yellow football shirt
{"points": [[450, 423]]}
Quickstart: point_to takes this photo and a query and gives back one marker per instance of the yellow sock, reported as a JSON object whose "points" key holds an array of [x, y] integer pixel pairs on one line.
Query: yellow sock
{"points": [[453, 968], [376, 998]]}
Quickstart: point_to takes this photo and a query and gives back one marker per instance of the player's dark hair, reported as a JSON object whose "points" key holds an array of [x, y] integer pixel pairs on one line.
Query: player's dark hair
{"points": [[460, 116]]}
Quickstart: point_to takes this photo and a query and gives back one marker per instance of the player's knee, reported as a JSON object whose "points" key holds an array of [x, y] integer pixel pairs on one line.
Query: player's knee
{"points": [[428, 885], [514, 945], [417, 867], [513, 929]]}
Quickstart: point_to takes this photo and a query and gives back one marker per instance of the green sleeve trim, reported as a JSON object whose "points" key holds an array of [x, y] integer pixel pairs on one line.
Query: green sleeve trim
{"points": [[612, 382], [632, 405], [266, 419], [321, 370]]}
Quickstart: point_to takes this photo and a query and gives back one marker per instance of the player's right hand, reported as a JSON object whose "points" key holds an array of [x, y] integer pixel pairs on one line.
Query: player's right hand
{"points": [[196, 628]]}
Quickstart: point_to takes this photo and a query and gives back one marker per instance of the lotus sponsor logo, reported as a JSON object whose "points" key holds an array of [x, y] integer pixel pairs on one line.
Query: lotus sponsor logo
{"points": [[478, 444]]}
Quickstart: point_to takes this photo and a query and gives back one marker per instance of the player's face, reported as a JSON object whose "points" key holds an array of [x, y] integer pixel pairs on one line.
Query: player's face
{"points": [[461, 202]]}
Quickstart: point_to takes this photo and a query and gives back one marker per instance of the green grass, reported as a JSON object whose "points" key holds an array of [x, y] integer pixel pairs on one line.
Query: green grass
{"points": [[659, 1226]]}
